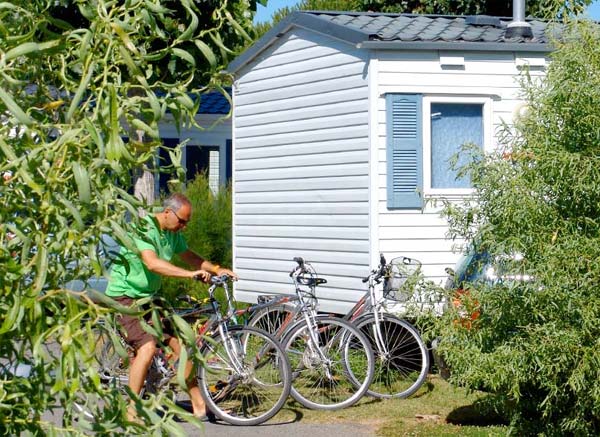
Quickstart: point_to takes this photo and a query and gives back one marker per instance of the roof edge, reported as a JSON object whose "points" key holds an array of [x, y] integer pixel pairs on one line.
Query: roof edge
{"points": [[464, 46], [299, 19]]}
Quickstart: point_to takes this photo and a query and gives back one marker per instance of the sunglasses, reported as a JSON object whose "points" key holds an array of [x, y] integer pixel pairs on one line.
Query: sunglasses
{"points": [[181, 221]]}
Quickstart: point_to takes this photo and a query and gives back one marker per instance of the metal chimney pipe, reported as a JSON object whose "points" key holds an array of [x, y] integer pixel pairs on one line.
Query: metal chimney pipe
{"points": [[518, 27]]}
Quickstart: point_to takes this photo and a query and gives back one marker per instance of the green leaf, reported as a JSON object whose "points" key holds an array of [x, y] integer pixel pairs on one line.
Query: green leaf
{"points": [[28, 48], [83, 86], [184, 55], [152, 132], [240, 30], [184, 328], [82, 180], [207, 52], [189, 31], [183, 359], [12, 316], [14, 108]]}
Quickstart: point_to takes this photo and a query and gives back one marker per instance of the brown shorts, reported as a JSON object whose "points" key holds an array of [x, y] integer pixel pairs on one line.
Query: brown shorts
{"points": [[132, 330]]}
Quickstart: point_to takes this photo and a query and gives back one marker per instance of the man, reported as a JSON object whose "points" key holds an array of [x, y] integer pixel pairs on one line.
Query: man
{"points": [[140, 276]]}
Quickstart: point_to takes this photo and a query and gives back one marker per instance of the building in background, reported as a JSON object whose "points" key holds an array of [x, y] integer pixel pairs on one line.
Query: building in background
{"points": [[206, 149], [343, 126]]}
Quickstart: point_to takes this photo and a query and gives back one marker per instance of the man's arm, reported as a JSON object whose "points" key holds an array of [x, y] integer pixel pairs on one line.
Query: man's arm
{"points": [[198, 262], [165, 268]]}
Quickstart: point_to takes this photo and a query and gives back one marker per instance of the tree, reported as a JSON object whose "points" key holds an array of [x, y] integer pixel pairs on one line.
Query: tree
{"points": [[537, 8], [534, 346], [209, 55], [75, 78]]}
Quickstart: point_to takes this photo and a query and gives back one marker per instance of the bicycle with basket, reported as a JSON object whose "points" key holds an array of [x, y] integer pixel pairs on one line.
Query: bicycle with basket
{"points": [[401, 355]]}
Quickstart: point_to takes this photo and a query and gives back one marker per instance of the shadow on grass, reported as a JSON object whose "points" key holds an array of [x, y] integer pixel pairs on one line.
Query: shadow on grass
{"points": [[480, 413], [427, 387]]}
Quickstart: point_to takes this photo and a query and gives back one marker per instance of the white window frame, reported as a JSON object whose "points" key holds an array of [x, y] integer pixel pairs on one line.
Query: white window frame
{"points": [[487, 138]]}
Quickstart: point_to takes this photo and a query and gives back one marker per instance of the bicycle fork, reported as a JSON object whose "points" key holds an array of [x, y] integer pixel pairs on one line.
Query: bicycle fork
{"points": [[313, 344], [233, 351], [379, 342]]}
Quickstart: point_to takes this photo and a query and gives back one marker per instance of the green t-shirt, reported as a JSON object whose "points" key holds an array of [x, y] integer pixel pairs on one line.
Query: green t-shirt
{"points": [[130, 277]]}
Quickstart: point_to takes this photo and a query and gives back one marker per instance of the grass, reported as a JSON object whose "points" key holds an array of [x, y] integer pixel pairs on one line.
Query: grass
{"points": [[437, 409]]}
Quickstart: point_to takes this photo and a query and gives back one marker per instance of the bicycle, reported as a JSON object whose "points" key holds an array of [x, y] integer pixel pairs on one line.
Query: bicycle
{"points": [[401, 355], [245, 379], [331, 360]]}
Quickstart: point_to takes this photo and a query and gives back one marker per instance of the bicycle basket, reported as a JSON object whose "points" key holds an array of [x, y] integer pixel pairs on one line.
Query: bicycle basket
{"points": [[400, 279]]}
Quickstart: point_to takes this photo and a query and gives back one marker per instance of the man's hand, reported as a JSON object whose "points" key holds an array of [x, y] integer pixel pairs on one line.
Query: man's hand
{"points": [[230, 273], [201, 275]]}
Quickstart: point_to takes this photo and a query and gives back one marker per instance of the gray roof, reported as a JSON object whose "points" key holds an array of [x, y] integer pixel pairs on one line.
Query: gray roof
{"points": [[407, 32]]}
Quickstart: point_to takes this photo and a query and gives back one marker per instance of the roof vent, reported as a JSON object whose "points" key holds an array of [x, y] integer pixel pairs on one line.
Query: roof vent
{"points": [[518, 27], [483, 20]]}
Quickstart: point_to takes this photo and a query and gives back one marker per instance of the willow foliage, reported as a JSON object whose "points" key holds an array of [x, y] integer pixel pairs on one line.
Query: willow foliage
{"points": [[75, 78], [535, 344]]}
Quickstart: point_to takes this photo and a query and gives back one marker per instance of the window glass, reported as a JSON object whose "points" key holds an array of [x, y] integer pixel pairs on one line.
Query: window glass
{"points": [[452, 125]]}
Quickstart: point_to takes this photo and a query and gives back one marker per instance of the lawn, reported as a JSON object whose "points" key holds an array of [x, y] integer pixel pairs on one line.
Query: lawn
{"points": [[437, 409]]}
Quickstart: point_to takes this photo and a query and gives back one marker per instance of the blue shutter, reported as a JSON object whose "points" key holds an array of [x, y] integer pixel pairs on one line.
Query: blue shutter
{"points": [[404, 151]]}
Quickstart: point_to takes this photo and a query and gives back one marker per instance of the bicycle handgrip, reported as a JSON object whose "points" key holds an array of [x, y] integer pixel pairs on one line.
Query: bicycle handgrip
{"points": [[219, 279], [300, 262], [382, 259], [365, 279]]}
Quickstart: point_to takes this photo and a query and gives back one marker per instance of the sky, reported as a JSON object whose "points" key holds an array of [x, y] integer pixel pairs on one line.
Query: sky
{"points": [[264, 14]]}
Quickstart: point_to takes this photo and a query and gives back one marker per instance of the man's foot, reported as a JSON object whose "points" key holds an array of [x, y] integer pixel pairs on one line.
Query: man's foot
{"points": [[132, 416], [208, 416]]}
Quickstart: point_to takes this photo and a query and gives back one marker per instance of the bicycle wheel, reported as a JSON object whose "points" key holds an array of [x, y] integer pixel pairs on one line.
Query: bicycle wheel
{"points": [[82, 408], [402, 369], [271, 319], [112, 367], [335, 371], [246, 378]]}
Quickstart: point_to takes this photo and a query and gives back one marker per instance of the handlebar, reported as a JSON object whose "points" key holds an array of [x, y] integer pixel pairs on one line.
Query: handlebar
{"points": [[377, 273], [304, 274], [219, 279], [300, 267]]}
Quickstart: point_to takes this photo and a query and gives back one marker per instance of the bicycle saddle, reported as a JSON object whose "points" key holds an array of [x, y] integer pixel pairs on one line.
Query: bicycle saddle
{"points": [[311, 281]]}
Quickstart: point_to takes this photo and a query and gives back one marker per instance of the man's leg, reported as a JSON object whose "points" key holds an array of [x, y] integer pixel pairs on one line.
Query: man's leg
{"points": [[137, 373], [198, 405], [140, 365]]}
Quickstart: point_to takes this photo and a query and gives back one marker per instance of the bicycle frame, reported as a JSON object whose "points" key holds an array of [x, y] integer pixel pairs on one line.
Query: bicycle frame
{"points": [[370, 304]]}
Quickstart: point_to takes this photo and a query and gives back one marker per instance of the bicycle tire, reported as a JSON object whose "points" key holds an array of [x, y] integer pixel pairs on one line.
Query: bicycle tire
{"points": [[403, 370], [343, 378], [112, 367], [259, 391], [271, 319], [82, 408]]}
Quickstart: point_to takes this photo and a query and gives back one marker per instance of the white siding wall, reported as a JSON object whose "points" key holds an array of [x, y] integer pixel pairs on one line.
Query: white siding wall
{"points": [[422, 234], [301, 154]]}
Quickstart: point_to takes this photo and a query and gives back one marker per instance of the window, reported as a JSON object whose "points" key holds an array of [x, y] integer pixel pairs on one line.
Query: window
{"points": [[423, 133]]}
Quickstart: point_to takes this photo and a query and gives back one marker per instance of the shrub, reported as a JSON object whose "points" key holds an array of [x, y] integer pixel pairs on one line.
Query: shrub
{"points": [[208, 232], [535, 344]]}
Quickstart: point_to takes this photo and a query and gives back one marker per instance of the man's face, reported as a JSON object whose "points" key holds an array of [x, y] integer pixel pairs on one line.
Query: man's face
{"points": [[177, 220]]}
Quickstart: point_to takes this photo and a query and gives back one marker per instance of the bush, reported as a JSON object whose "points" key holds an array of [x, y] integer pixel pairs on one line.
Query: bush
{"points": [[208, 232], [535, 344]]}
